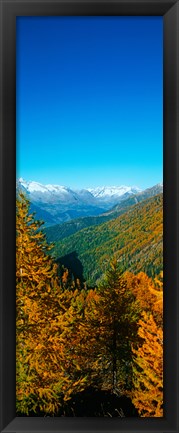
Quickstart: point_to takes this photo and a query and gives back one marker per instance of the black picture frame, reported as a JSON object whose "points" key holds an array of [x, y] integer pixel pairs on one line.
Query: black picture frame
{"points": [[169, 9]]}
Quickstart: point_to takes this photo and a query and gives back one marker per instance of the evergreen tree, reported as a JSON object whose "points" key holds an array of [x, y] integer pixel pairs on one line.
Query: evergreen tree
{"points": [[118, 314]]}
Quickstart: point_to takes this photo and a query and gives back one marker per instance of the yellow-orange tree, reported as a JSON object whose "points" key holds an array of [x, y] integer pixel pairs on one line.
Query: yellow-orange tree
{"points": [[147, 394], [43, 323], [149, 293], [82, 345]]}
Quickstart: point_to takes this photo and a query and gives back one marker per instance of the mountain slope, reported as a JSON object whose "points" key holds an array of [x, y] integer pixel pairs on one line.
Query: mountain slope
{"points": [[61, 203], [137, 198], [135, 238], [58, 232]]}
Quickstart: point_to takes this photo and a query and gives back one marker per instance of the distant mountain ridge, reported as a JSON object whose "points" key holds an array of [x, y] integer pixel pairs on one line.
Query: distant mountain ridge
{"points": [[136, 198], [60, 231], [64, 192], [58, 204], [131, 229], [113, 191]]}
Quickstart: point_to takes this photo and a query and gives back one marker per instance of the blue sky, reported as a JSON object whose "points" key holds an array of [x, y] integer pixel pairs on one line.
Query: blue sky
{"points": [[90, 100]]}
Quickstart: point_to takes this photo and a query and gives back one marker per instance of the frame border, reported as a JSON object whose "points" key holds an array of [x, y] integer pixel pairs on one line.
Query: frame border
{"points": [[9, 9]]}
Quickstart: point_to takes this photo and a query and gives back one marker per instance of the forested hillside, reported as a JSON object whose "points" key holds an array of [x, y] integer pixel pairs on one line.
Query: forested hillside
{"points": [[57, 232], [83, 351], [135, 239]]}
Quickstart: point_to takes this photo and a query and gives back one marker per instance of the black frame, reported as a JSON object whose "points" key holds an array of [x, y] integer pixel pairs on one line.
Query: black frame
{"points": [[9, 9]]}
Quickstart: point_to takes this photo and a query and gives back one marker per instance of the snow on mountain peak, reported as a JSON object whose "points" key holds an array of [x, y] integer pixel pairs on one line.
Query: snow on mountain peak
{"points": [[57, 188], [33, 186], [59, 192], [111, 191]]}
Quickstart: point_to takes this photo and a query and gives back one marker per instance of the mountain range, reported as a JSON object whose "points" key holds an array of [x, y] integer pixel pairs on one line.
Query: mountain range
{"points": [[60, 231], [88, 227], [57, 204]]}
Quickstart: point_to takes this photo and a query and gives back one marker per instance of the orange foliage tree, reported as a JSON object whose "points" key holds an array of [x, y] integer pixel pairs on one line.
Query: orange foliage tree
{"points": [[149, 293], [45, 372], [147, 394]]}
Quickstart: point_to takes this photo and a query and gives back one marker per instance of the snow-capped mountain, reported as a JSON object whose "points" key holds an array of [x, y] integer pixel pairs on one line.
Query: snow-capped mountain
{"points": [[57, 203], [48, 193], [63, 192], [107, 192]]}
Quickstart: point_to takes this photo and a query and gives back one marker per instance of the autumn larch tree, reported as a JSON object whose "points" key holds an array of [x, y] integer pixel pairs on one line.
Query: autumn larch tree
{"points": [[43, 321], [147, 394], [149, 293]]}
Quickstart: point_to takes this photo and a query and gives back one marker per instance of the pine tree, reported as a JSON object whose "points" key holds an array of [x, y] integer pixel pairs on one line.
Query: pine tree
{"points": [[118, 313]]}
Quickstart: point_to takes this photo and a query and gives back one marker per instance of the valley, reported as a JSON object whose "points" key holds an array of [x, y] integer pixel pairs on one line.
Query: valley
{"points": [[56, 204], [99, 224], [59, 231]]}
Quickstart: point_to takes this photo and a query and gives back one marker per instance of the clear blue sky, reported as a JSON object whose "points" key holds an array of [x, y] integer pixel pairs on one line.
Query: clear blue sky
{"points": [[90, 100]]}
